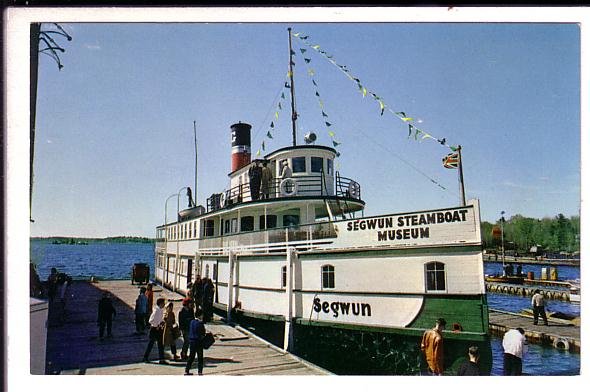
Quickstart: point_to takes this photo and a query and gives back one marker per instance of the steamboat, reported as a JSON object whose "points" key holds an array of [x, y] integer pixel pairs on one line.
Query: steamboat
{"points": [[296, 257]]}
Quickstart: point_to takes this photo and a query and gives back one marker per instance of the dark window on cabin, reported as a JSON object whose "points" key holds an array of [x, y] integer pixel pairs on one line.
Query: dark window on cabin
{"points": [[271, 222], [290, 220], [247, 223], [284, 276], [330, 164], [226, 226], [209, 228], [328, 277], [435, 276], [234, 225], [317, 164], [298, 165]]}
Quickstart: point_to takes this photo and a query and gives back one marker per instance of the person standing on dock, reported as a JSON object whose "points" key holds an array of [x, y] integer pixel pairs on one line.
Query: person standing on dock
{"points": [[208, 294], [195, 335], [106, 312], [185, 316], [149, 293], [538, 304], [141, 311], [470, 367], [169, 321], [432, 347], [156, 327], [514, 344]]}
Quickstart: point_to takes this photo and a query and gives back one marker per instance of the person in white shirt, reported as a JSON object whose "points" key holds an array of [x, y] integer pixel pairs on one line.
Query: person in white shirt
{"points": [[538, 304], [515, 347], [156, 322]]}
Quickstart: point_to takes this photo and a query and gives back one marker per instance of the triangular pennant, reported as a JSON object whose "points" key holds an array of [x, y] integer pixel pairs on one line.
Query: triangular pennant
{"points": [[287, 85], [258, 153], [316, 47], [289, 73], [293, 63], [410, 126], [280, 107], [324, 114], [293, 52], [272, 124], [277, 115], [263, 147], [269, 135], [321, 103], [303, 50], [417, 133], [337, 164], [442, 141], [406, 119], [310, 72], [306, 37], [314, 83], [382, 107], [317, 94], [307, 60], [335, 143], [328, 124], [296, 34], [364, 92], [331, 133], [454, 148], [401, 114], [283, 96]]}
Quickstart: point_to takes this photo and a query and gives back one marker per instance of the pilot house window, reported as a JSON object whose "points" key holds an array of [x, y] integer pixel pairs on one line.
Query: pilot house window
{"points": [[328, 277], [317, 164], [435, 276], [298, 165]]}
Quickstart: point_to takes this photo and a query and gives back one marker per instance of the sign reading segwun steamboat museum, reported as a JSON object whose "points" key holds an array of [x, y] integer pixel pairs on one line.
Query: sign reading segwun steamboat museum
{"points": [[413, 226]]}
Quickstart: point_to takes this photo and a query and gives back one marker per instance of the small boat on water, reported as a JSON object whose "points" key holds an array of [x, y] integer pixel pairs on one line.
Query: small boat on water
{"points": [[512, 279], [575, 295], [338, 288]]}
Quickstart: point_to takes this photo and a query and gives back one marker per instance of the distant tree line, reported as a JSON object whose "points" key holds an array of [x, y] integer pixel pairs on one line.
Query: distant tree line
{"points": [[85, 241], [554, 235]]}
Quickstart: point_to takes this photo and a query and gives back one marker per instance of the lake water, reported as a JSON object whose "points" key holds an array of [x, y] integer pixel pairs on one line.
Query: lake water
{"points": [[115, 261]]}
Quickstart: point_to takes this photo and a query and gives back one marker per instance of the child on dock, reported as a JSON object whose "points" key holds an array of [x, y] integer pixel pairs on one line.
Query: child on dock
{"points": [[106, 312]]}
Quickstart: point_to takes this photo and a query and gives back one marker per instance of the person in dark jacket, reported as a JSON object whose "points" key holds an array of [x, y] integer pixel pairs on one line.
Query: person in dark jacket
{"points": [[471, 367], [255, 177], [195, 334], [208, 294], [185, 316], [106, 312]]}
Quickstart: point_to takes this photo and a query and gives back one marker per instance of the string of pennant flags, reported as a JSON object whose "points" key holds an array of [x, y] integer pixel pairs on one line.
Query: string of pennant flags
{"points": [[272, 126], [325, 117], [419, 134]]}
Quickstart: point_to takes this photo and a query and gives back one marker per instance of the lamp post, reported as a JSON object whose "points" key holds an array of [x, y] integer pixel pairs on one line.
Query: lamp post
{"points": [[503, 254]]}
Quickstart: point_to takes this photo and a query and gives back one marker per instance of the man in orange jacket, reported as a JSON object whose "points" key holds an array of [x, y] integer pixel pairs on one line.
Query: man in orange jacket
{"points": [[432, 347]]}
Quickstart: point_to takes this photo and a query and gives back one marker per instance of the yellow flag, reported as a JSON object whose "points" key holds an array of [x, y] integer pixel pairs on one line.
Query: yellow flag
{"points": [[289, 74], [381, 105], [316, 47], [310, 72], [407, 118], [332, 134], [364, 92], [277, 115], [321, 103], [258, 153], [296, 34]]}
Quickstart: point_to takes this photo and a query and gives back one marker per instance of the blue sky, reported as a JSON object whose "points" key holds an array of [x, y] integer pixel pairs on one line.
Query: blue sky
{"points": [[115, 125]]}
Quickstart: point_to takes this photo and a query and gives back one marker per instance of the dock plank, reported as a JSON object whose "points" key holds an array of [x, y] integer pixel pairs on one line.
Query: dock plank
{"points": [[73, 346]]}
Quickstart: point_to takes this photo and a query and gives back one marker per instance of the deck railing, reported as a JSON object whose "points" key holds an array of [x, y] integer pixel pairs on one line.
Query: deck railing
{"points": [[303, 237], [316, 185]]}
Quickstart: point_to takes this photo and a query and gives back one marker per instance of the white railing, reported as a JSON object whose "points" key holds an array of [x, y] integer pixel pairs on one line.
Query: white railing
{"points": [[303, 237]]}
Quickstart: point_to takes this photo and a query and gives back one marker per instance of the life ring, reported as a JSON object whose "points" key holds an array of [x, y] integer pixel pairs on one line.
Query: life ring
{"points": [[561, 344], [353, 190], [222, 200], [288, 187]]}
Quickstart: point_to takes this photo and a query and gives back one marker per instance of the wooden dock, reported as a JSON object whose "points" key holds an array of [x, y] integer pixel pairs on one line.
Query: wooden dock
{"points": [[559, 334], [73, 346]]}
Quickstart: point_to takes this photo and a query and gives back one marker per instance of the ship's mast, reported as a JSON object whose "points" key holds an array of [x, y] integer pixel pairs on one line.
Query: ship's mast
{"points": [[293, 112]]}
